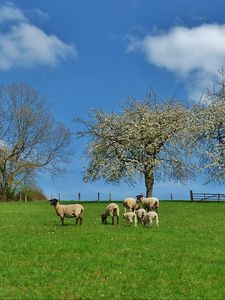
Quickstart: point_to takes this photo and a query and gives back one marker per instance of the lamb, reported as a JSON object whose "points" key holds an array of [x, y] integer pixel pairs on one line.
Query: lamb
{"points": [[68, 211], [140, 213], [131, 204], [149, 204], [111, 210], [130, 218], [151, 217]]}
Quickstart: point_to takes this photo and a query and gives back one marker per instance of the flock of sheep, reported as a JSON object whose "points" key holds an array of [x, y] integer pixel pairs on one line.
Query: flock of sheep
{"points": [[141, 210]]}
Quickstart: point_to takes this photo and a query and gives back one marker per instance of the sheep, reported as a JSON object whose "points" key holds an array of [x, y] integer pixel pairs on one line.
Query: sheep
{"points": [[151, 217], [140, 213], [131, 204], [149, 204], [68, 211], [130, 218], [111, 210]]}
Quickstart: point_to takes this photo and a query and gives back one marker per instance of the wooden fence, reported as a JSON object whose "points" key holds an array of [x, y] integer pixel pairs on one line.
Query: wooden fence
{"points": [[206, 197]]}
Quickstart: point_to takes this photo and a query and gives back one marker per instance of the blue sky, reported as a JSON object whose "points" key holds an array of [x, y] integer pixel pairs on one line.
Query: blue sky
{"points": [[83, 54]]}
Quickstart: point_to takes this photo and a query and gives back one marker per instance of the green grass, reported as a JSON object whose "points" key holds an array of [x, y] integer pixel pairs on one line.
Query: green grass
{"points": [[184, 259]]}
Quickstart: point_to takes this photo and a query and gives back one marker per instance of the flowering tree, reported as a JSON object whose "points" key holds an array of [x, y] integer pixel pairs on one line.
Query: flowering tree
{"points": [[208, 134], [141, 142]]}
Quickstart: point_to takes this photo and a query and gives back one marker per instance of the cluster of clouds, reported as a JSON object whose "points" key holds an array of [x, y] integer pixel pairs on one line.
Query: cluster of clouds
{"points": [[22, 44], [194, 55]]}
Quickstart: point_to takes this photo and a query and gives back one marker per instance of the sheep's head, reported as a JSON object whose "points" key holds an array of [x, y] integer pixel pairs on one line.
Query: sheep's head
{"points": [[104, 218], [54, 201], [139, 197]]}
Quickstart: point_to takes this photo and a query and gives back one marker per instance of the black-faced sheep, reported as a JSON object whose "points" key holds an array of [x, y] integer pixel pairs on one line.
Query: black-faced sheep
{"points": [[111, 210], [68, 211], [131, 204], [131, 218], [150, 203]]}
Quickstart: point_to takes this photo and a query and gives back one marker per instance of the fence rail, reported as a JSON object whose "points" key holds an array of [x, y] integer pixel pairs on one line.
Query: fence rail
{"points": [[206, 197]]}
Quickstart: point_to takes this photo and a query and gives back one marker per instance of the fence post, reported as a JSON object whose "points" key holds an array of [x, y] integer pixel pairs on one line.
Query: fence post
{"points": [[171, 196], [110, 197], [25, 197], [98, 197], [191, 196], [219, 197], [20, 197], [79, 196], [59, 196]]}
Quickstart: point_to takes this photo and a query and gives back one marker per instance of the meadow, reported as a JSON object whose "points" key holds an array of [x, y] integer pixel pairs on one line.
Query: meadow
{"points": [[41, 259]]}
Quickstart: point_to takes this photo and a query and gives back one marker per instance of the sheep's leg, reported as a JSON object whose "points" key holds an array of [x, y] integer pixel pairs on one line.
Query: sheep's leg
{"points": [[81, 220], [117, 219], [62, 220], [76, 220], [150, 221]]}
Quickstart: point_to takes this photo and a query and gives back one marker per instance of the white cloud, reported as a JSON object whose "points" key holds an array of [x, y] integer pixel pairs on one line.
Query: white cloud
{"points": [[11, 13], [40, 13], [193, 54], [23, 44]]}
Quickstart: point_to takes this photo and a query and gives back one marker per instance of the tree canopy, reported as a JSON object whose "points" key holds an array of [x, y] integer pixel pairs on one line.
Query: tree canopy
{"points": [[30, 138], [141, 142], [208, 134]]}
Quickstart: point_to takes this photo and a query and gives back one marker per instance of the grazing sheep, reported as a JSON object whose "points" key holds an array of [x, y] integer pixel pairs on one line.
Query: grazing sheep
{"points": [[68, 211], [130, 218], [111, 210], [149, 204], [131, 204], [151, 217], [140, 213]]}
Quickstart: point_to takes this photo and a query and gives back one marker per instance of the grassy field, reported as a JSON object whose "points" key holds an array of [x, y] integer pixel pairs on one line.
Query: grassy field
{"points": [[184, 259]]}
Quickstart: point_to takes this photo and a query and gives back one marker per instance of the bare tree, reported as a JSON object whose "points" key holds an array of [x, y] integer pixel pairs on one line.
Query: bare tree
{"points": [[30, 139], [142, 141]]}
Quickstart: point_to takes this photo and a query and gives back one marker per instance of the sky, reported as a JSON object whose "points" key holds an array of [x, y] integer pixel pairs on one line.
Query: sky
{"points": [[85, 54]]}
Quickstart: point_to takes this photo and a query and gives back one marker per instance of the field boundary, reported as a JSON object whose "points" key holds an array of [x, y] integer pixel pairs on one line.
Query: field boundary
{"points": [[206, 197]]}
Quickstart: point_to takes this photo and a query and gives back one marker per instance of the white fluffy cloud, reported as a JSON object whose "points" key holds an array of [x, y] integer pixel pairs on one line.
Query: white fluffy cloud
{"points": [[23, 44], [193, 54], [11, 13]]}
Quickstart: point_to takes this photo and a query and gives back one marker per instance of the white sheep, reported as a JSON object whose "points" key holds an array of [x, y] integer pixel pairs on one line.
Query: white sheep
{"points": [[151, 217], [131, 204], [111, 210], [150, 203], [68, 211], [140, 213], [130, 218]]}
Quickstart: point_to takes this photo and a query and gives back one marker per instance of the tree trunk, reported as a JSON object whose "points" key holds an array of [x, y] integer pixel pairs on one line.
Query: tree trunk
{"points": [[3, 188], [149, 182], [4, 194]]}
